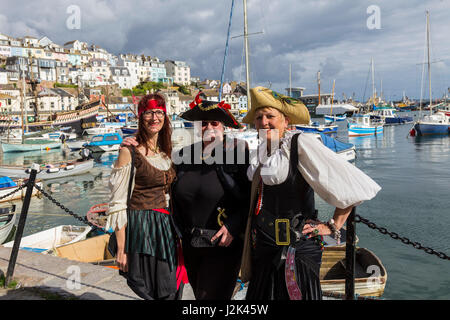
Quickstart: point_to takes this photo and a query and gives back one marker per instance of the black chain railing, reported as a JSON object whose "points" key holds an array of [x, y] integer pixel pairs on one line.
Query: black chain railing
{"points": [[14, 191], [70, 212], [405, 240], [358, 218]]}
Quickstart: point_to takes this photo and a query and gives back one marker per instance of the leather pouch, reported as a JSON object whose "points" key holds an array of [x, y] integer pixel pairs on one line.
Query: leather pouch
{"points": [[201, 238]]}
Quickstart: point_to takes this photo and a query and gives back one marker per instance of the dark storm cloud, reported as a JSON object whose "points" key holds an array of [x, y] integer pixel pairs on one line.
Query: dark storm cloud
{"points": [[306, 36]]}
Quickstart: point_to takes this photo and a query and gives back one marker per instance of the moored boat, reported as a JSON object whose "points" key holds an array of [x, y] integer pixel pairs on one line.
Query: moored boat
{"points": [[31, 145], [435, 124], [370, 274], [389, 116], [75, 144], [130, 129], [363, 125], [105, 127], [105, 142], [329, 118], [92, 250], [7, 185], [345, 150], [51, 171], [316, 127], [52, 238], [7, 219]]}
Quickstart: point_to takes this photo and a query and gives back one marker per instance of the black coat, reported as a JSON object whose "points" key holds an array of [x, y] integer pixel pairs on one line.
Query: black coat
{"points": [[233, 178]]}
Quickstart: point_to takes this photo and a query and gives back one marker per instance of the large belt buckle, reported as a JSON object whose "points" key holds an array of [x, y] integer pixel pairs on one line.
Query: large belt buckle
{"points": [[277, 232]]}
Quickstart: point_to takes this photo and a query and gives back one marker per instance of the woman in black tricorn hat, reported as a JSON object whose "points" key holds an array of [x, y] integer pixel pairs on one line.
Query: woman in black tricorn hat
{"points": [[210, 201], [211, 198]]}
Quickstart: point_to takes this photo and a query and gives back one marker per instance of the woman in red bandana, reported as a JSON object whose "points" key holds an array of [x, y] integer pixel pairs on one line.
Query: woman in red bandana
{"points": [[146, 244]]}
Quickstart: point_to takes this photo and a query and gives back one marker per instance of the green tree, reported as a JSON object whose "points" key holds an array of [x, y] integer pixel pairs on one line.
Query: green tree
{"points": [[184, 90]]}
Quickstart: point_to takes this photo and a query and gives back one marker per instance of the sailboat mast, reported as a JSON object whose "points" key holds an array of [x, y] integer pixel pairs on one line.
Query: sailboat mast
{"points": [[22, 105], [429, 67], [290, 80], [247, 67], [332, 98], [318, 83], [226, 52], [24, 108], [373, 84]]}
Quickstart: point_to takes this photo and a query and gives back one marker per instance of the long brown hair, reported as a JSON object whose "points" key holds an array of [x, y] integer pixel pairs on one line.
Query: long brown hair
{"points": [[164, 135]]}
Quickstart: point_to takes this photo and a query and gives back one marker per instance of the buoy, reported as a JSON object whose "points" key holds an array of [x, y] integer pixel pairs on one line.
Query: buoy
{"points": [[47, 148], [412, 132]]}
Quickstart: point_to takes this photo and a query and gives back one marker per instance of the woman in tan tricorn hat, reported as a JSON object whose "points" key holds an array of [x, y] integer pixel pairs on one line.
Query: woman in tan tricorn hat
{"points": [[283, 239], [262, 97]]}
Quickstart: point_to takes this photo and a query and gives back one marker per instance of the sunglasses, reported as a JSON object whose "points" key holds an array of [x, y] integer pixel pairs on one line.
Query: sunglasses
{"points": [[212, 123]]}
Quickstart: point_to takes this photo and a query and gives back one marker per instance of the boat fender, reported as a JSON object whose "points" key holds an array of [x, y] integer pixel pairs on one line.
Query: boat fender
{"points": [[52, 170], [70, 167]]}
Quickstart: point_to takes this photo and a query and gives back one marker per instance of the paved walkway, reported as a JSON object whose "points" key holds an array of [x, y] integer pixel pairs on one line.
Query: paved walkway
{"points": [[70, 279]]}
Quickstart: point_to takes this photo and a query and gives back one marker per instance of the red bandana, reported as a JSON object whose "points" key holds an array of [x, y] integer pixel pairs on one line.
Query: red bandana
{"points": [[152, 104]]}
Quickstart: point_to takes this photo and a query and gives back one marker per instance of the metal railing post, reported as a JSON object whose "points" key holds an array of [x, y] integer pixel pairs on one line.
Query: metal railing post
{"points": [[21, 224], [350, 257]]}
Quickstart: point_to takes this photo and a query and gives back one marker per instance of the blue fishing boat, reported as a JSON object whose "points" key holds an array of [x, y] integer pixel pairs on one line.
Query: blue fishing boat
{"points": [[105, 142], [362, 125], [316, 127], [434, 124], [329, 118], [389, 116], [130, 129], [343, 149]]}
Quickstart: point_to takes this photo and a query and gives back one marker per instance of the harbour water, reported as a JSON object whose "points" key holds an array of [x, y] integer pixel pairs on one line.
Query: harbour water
{"points": [[414, 174]]}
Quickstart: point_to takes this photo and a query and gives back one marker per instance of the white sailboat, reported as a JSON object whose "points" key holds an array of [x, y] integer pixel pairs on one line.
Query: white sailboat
{"points": [[439, 122]]}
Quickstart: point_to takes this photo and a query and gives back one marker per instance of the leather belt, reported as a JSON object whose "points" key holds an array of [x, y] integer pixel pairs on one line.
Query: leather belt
{"points": [[282, 231]]}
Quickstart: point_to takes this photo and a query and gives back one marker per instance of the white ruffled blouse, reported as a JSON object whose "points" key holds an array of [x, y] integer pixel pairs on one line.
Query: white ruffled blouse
{"points": [[118, 185], [334, 179]]}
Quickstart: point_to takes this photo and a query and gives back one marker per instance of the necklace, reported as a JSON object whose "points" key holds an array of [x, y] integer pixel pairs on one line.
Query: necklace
{"points": [[153, 149]]}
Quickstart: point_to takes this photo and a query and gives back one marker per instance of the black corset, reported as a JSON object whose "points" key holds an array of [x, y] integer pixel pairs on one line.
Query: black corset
{"points": [[294, 195]]}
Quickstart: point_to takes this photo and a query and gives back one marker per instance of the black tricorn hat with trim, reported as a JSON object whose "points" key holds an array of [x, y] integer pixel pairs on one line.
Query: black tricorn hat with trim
{"points": [[202, 109]]}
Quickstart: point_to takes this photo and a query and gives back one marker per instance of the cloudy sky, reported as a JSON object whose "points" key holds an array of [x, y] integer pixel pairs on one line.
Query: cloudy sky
{"points": [[337, 37]]}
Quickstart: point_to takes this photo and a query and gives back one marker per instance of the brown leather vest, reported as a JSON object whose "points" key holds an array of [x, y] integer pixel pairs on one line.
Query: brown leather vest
{"points": [[151, 184]]}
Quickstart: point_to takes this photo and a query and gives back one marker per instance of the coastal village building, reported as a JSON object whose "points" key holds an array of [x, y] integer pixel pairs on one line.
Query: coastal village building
{"points": [[62, 72], [158, 71], [87, 66], [130, 61], [3, 76], [121, 76], [7, 102], [179, 71]]}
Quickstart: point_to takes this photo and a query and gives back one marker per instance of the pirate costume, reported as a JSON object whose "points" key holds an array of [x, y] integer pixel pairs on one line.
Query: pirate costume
{"points": [[150, 243], [206, 195], [279, 261]]}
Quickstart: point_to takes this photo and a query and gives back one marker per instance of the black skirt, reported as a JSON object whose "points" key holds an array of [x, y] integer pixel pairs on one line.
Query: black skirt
{"points": [[268, 270], [213, 272]]}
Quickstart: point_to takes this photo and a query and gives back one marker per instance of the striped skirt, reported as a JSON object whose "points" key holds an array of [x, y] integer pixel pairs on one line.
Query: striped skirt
{"points": [[152, 255]]}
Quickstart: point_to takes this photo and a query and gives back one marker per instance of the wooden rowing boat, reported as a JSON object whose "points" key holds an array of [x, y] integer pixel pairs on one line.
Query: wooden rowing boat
{"points": [[7, 219], [370, 274], [92, 250]]}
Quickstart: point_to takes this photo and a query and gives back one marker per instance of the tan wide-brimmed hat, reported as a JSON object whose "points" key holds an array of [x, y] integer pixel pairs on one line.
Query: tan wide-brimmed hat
{"points": [[292, 108]]}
